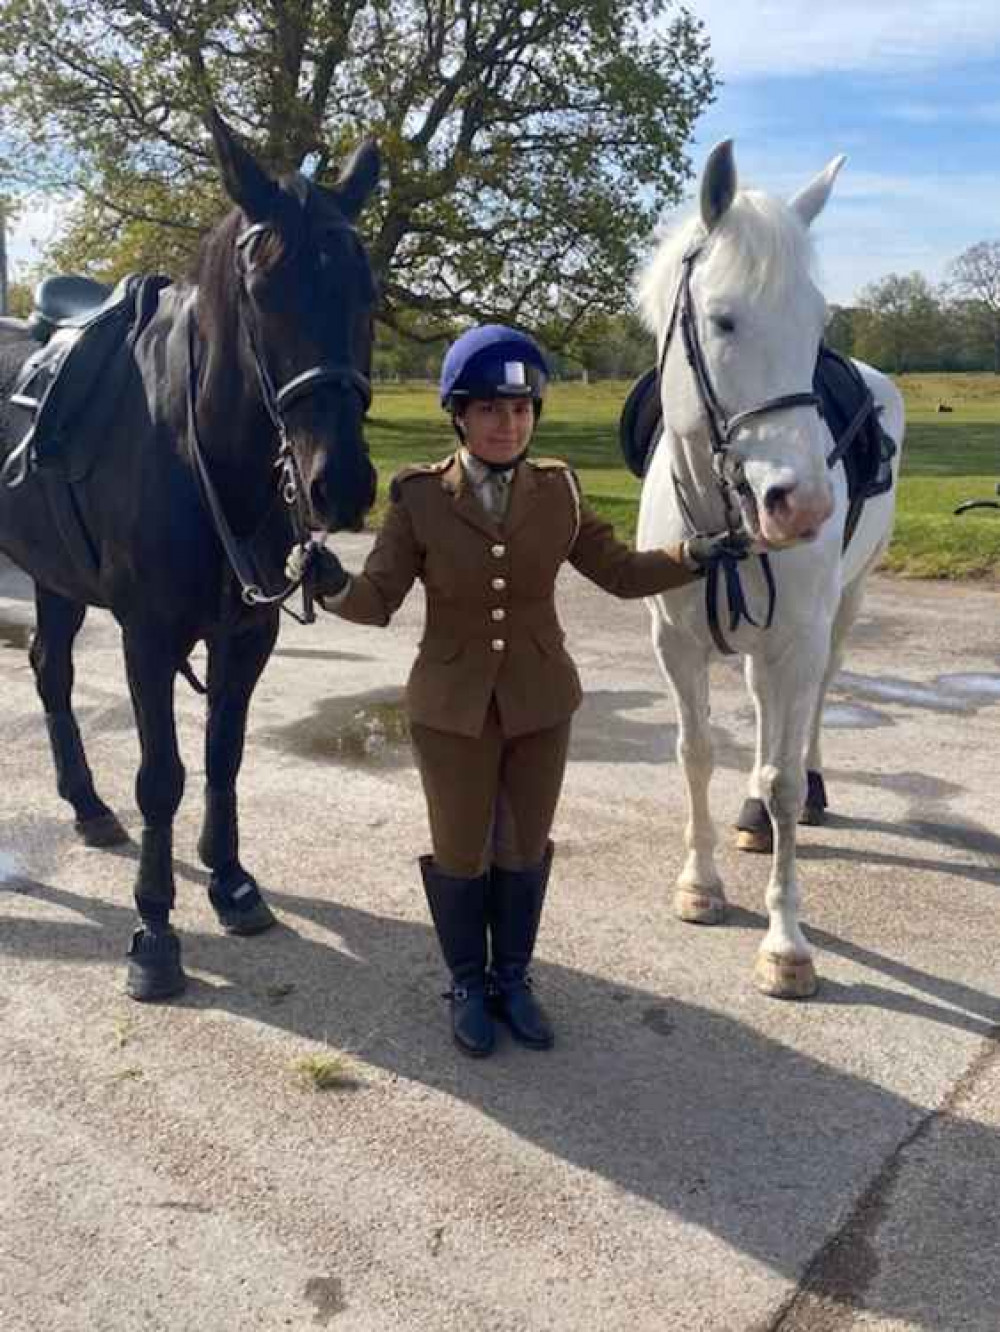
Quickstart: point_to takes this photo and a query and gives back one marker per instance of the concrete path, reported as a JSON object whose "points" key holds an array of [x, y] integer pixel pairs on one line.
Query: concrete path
{"points": [[691, 1156]]}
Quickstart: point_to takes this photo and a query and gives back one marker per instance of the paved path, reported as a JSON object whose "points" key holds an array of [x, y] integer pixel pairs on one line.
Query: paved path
{"points": [[691, 1156]]}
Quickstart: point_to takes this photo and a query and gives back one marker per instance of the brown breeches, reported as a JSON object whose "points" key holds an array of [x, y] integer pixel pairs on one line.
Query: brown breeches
{"points": [[491, 799]]}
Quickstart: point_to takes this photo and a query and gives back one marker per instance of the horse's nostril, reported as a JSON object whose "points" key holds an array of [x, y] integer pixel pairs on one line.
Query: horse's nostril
{"points": [[319, 496], [776, 496]]}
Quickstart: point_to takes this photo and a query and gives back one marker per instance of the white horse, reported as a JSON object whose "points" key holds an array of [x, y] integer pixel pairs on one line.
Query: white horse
{"points": [[739, 321]]}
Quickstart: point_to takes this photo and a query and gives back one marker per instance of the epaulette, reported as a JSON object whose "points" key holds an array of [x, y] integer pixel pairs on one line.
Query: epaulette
{"points": [[417, 469], [549, 464]]}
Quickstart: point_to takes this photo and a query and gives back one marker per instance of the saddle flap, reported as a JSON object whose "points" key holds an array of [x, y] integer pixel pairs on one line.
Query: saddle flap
{"points": [[641, 423]]}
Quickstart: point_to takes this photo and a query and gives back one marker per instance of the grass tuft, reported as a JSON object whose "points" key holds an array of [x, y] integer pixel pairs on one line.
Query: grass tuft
{"points": [[325, 1072]]}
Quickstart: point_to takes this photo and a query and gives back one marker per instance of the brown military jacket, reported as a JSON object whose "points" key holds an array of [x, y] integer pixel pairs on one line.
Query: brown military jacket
{"points": [[492, 627]]}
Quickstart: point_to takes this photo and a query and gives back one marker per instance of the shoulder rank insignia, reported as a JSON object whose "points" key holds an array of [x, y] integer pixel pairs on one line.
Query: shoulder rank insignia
{"points": [[414, 471]]}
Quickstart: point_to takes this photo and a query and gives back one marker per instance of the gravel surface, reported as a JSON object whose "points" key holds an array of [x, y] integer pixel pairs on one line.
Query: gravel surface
{"points": [[691, 1156]]}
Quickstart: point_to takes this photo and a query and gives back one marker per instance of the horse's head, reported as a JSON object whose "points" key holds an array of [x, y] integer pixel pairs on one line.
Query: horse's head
{"points": [[305, 304], [747, 324]]}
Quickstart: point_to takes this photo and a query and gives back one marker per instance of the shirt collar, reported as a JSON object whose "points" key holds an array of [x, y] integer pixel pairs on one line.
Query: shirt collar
{"points": [[477, 471]]}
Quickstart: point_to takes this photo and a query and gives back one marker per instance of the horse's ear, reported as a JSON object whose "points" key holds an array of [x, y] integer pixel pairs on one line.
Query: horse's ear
{"points": [[718, 184], [358, 179], [811, 201], [246, 183]]}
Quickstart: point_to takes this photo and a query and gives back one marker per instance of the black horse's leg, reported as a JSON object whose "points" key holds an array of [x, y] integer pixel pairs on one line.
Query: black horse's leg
{"points": [[235, 662], [58, 622], [154, 970]]}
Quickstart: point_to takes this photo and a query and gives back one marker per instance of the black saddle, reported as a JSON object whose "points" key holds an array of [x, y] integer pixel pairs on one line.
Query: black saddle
{"points": [[846, 403], [67, 300], [67, 390]]}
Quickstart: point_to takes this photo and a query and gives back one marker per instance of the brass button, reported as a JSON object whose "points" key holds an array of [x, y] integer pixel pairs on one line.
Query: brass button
{"points": [[498, 645], [498, 584], [499, 550], [498, 613]]}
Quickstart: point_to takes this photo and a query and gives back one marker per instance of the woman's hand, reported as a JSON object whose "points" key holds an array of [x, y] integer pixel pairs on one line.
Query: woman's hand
{"points": [[706, 549], [319, 567]]}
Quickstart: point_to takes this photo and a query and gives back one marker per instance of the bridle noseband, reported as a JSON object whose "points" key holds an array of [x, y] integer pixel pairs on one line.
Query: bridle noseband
{"points": [[722, 428]]}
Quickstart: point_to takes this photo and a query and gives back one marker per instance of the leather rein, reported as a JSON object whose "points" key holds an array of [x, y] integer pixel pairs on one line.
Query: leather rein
{"points": [[277, 401], [726, 467]]}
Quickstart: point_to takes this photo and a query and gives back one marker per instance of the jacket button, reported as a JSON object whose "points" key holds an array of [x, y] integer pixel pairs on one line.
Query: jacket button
{"points": [[498, 645], [498, 613], [498, 584], [499, 550]]}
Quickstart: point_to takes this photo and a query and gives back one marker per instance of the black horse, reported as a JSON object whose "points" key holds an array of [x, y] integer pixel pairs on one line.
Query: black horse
{"points": [[239, 425]]}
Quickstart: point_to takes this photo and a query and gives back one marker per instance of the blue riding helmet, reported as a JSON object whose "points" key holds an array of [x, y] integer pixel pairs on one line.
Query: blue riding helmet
{"points": [[493, 362]]}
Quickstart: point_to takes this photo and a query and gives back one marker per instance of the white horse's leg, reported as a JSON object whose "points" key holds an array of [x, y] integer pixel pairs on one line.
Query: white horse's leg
{"points": [[851, 600], [786, 692], [700, 897]]}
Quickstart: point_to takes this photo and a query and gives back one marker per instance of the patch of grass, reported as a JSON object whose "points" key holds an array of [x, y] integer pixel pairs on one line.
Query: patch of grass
{"points": [[327, 1071], [946, 458]]}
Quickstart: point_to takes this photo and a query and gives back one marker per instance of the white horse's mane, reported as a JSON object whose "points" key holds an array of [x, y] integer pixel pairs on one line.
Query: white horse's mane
{"points": [[759, 245]]}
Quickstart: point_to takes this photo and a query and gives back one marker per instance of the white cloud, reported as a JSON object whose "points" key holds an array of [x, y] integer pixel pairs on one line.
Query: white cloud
{"points": [[782, 37]]}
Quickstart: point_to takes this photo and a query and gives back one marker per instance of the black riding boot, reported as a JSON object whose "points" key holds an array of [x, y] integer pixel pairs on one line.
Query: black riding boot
{"points": [[515, 908], [458, 909]]}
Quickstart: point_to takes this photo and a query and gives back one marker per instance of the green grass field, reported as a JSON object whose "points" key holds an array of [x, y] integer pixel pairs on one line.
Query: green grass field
{"points": [[946, 458]]}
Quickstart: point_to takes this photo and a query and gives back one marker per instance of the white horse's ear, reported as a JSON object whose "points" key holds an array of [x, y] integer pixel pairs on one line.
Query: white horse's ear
{"points": [[718, 184], [811, 201]]}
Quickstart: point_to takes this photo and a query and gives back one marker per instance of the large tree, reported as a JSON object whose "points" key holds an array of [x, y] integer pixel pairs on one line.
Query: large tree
{"points": [[528, 146], [975, 277], [898, 324]]}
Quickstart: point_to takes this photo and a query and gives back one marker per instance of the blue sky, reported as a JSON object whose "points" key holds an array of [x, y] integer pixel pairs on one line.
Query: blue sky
{"points": [[909, 90]]}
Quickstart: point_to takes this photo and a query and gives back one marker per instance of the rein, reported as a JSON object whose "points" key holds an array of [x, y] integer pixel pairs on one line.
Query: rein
{"points": [[727, 469]]}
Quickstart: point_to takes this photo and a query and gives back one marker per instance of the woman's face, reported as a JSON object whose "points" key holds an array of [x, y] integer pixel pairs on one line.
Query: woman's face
{"points": [[498, 429]]}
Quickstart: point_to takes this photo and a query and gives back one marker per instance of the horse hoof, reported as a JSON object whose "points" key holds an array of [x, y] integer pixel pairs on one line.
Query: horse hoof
{"points": [[154, 966], [699, 908], [243, 912], [102, 831], [813, 816], [760, 843], [785, 977]]}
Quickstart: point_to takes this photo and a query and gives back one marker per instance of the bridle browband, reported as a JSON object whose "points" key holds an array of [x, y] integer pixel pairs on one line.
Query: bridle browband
{"points": [[277, 402], [728, 469]]}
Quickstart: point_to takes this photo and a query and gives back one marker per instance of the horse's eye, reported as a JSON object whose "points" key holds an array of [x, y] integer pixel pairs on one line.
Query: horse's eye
{"points": [[723, 323]]}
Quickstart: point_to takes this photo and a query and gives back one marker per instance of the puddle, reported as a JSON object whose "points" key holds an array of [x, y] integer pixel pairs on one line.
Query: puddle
{"points": [[15, 634], [890, 689], [10, 868], [971, 685], [360, 730], [853, 716]]}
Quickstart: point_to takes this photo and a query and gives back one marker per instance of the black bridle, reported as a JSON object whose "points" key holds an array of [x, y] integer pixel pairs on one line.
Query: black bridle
{"points": [[727, 468], [277, 402], [722, 429]]}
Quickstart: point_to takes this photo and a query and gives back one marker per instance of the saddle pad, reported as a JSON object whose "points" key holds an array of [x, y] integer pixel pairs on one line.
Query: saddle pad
{"points": [[845, 401], [68, 391]]}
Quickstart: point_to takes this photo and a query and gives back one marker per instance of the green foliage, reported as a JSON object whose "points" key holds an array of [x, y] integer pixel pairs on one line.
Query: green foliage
{"points": [[527, 146]]}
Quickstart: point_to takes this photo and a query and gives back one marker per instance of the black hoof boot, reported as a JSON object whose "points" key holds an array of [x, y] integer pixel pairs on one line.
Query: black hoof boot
{"points": [[154, 965], [516, 898], [239, 905], [458, 909], [102, 831], [814, 808]]}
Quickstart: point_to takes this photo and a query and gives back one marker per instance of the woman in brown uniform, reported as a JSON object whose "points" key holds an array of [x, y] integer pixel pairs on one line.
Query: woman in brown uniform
{"points": [[492, 690]]}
